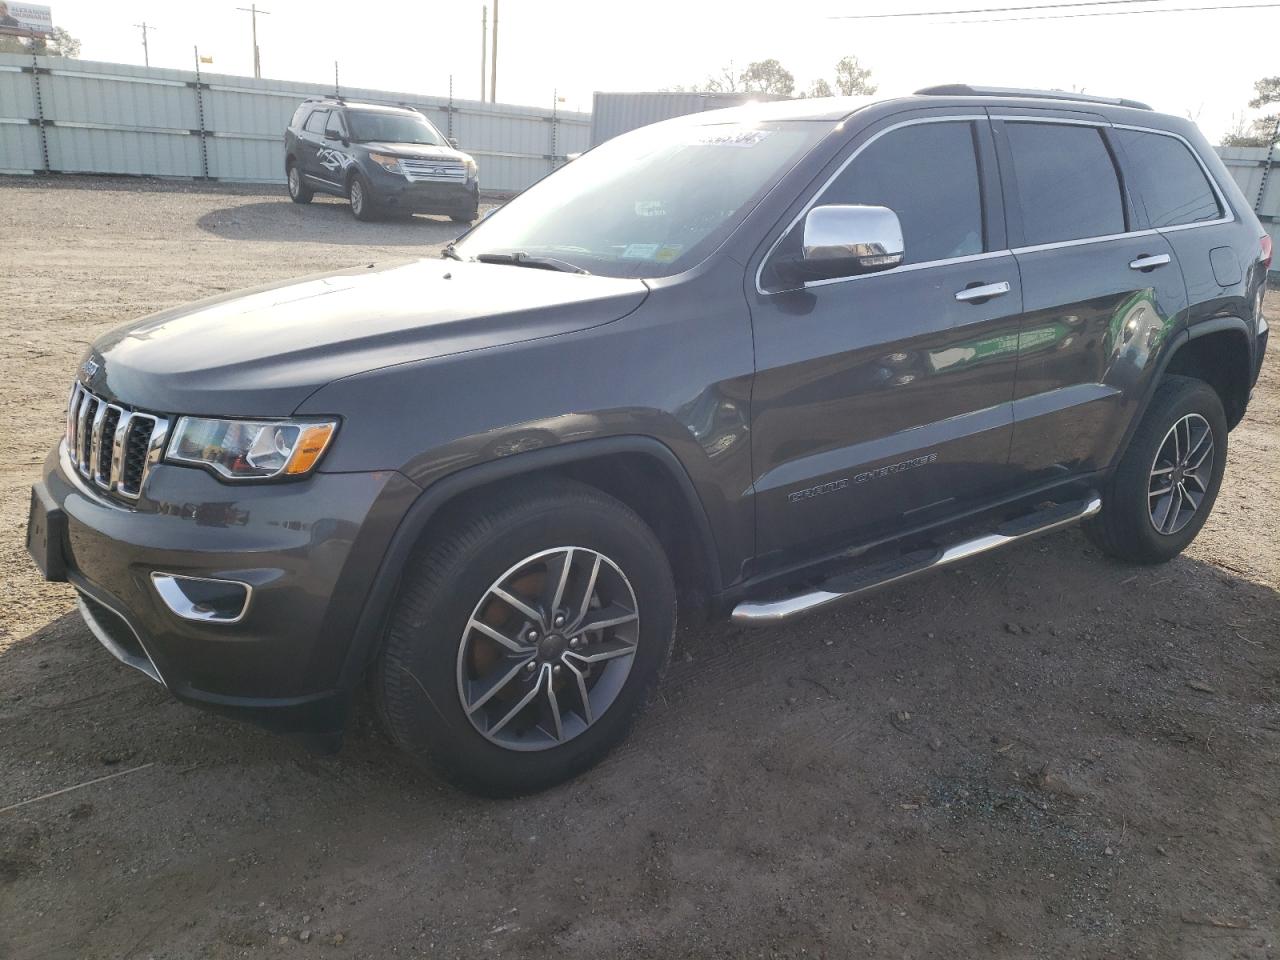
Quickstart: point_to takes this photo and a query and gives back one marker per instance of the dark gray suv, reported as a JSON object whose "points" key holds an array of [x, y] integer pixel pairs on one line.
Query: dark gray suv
{"points": [[746, 363], [383, 159]]}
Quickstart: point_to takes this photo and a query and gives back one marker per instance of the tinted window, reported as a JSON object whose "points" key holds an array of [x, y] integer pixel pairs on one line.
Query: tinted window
{"points": [[394, 128], [1170, 181], [1067, 184], [335, 128], [315, 122], [928, 175]]}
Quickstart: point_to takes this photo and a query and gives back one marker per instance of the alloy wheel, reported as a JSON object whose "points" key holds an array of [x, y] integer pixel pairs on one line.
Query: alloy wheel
{"points": [[357, 197], [548, 648], [295, 182], [1179, 479]]}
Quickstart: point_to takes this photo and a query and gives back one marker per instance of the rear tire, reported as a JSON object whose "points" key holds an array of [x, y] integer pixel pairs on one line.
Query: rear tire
{"points": [[1162, 492], [432, 679], [361, 197], [299, 192]]}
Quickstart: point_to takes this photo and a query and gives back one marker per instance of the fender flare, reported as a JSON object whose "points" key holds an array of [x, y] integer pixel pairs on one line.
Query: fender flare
{"points": [[420, 513], [1180, 340]]}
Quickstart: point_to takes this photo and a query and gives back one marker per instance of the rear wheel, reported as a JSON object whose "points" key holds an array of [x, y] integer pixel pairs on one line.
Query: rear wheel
{"points": [[299, 192], [1166, 484], [361, 197], [527, 636]]}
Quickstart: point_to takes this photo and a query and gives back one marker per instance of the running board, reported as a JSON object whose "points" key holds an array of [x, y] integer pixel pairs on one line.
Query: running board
{"points": [[863, 581]]}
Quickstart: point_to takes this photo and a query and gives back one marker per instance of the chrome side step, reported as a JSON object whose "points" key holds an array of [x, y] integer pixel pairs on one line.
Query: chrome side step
{"points": [[862, 582]]}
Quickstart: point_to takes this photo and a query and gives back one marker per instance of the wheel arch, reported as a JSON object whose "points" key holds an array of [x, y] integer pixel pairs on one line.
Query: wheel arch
{"points": [[1219, 352], [640, 471]]}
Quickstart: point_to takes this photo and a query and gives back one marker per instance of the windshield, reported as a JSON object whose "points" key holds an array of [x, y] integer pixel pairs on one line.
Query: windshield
{"points": [[393, 128], [650, 203]]}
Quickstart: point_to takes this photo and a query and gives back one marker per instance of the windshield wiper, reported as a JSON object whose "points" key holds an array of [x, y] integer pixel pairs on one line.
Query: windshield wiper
{"points": [[521, 259], [450, 252]]}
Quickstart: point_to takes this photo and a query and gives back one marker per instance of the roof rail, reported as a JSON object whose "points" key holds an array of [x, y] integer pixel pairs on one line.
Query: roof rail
{"points": [[967, 90]]}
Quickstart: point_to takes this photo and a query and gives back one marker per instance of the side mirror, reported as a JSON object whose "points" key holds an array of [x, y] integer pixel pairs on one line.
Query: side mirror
{"points": [[844, 240], [453, 142]]}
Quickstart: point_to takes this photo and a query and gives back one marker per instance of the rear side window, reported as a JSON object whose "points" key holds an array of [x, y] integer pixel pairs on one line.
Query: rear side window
{"points": [[928, 175], [1168, 179], [1067, 182], [315, 122]]}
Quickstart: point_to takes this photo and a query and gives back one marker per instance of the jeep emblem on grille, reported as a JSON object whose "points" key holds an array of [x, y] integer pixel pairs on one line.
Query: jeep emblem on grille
{"points": [[90, 367]]}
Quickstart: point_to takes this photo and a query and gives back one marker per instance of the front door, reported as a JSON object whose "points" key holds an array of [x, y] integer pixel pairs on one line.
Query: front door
{"points": [[887, 398]]}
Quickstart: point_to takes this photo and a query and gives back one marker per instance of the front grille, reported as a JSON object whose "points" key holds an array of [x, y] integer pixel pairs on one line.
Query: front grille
{"points": [[112, 446], [434, 171]]}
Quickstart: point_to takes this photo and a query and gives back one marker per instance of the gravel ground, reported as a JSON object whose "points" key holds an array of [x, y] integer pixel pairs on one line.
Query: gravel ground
{"points": [[1043, 753]]}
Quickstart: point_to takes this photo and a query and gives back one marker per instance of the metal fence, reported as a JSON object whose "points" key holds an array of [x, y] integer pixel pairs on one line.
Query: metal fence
{"points": [[80, 116], [1257, 171]]}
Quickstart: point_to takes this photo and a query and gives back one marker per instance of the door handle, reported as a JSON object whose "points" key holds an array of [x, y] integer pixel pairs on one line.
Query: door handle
{"points": [[1149, 261], [983, 292]]}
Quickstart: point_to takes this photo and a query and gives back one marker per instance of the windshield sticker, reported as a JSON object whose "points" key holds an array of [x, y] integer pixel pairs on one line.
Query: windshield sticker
{"points": [[730, 137], [668, 252], [650, 208], [640, 251]]}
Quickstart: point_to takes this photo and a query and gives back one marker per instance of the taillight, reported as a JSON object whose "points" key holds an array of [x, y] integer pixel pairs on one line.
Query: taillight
{"points": [[1266, 253]]}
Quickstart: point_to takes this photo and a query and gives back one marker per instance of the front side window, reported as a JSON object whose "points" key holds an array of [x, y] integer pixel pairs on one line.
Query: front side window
{"points": [[650, 203], [1169, 181], [1067, 183], [335, 129], [928, 175], [315, 122], [377, 127]]}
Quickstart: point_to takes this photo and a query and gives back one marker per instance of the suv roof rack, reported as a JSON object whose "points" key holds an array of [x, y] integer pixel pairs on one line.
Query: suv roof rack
{"points": [[342, 99], [967, 90]]}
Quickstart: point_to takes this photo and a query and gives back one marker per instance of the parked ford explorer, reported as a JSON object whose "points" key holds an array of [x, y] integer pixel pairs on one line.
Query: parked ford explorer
{"points": [[750, 363], [383, 159]]}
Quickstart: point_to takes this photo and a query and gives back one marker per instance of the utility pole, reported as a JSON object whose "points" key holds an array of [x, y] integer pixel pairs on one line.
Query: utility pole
{"points": [[253, 12], [493, 64], [146, 53], [484, 45]]}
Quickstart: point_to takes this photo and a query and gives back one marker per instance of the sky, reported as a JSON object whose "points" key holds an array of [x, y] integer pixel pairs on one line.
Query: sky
{"points": [[1200, 65]]}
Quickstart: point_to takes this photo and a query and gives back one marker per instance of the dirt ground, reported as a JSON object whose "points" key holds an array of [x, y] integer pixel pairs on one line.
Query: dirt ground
{"points": [[1043, 753]]}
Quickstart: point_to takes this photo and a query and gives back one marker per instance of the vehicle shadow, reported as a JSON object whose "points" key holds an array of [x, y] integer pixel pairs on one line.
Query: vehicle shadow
{"points": [[324, 220], [979, 757]]}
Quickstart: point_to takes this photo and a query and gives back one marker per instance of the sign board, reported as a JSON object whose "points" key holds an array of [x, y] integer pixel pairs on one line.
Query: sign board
{"points": [[25, 19]]}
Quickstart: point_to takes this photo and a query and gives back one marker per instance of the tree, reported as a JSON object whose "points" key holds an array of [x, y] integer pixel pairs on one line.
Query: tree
{"points": [[820, 88], [1262, 131], [853, 79], [768, 76], [59, 43], [726, 81]]}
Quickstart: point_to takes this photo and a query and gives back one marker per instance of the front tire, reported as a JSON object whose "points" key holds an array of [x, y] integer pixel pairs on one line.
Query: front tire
{"points": [[361, 197], [299, 192], [1162, 492], [528, 634]]}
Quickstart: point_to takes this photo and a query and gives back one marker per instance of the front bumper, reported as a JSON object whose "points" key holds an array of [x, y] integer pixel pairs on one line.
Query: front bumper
{"points": [[309, 550], [393, 192]]}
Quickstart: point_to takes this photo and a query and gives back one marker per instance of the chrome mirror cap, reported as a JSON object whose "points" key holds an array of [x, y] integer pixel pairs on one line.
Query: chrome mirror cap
{"points": [[851, 239]]}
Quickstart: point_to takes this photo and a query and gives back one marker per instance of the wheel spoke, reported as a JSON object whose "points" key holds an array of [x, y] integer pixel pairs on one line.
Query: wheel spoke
{"points": [[583, 697], [1161, 471], [558, 569], [555, 706], [1203, 450], [497, 684], [524, 701], [512, 600], [605, 650], [610, 616], [1191, 499], [1171, 512], [515, 646], [589, 591], [1194, 477]]}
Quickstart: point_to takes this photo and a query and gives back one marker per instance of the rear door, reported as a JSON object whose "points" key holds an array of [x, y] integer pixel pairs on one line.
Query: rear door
{"points": [[312, 149], [886, 398], [1100, 292]]}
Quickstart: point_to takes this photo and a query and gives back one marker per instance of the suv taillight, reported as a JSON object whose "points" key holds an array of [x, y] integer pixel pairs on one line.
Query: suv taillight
{"points": [[1265, 259]]}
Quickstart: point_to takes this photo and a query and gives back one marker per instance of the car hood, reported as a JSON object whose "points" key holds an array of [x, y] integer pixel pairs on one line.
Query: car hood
{"points": [[425, 151], [262, 352]]}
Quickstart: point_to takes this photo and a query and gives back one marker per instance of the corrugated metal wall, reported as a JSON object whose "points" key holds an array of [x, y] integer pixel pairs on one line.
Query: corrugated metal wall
{"points": [[1247, 165], [615, 113], [115, 118]]}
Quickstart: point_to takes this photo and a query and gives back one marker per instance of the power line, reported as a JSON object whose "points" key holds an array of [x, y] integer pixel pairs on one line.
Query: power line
{"points": [[1122, 13], [947, 13]]}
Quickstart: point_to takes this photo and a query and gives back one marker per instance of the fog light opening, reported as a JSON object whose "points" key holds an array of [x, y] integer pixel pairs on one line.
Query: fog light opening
{"points": [[203, 599]]}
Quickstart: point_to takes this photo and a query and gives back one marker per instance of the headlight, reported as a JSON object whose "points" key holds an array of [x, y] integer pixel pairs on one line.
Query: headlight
{"points": [[469, 165], [386, 162], [251, 449]]}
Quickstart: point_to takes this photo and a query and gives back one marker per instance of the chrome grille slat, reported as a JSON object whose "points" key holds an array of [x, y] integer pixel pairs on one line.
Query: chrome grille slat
{"points": [[433, 171], [112, 460]]}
